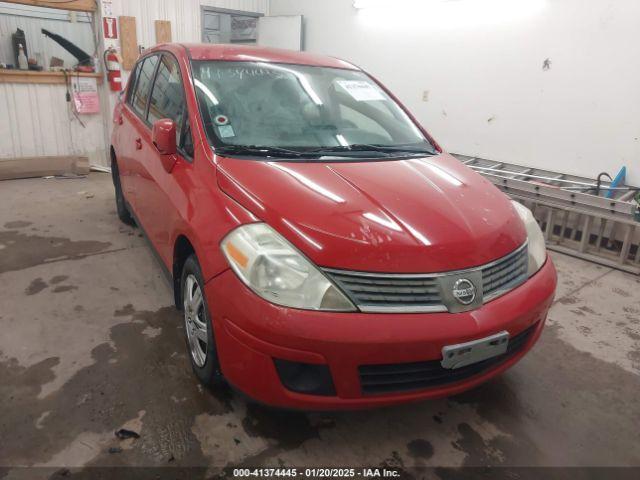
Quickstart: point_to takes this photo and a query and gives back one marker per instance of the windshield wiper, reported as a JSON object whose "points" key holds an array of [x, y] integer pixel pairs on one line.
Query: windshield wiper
{"points": [[260, 151], [363, 147], [339, 150]]}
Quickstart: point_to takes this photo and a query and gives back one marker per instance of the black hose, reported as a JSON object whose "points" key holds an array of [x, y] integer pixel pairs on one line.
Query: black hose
{"points": [[599, 181]]}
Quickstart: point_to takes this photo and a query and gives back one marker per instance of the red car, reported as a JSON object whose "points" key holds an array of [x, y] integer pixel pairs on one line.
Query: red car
{"points": [[324, 249]]}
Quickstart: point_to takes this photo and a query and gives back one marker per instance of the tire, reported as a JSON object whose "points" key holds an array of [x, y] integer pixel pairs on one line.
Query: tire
{"points": [[121, 204], [198, 329]]}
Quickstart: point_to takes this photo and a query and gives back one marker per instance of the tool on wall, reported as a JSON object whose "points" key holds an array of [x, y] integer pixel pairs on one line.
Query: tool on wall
{"points": [[19, 39], [23, 63], [112, 66], [85, 62]]}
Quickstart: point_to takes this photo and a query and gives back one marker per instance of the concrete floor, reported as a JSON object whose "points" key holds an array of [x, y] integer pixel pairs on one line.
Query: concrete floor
{"points": [[90, 343]]}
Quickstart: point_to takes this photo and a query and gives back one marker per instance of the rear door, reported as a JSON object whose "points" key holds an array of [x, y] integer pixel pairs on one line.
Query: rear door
{"points": [[158, 195], [136, 136]]}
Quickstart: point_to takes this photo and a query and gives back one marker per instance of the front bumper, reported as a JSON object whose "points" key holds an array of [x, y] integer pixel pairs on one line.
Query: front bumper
{"points": [[251, 332]]}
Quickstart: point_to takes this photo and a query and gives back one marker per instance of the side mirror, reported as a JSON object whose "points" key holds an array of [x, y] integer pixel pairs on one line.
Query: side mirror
{"points": [[164, 138]]}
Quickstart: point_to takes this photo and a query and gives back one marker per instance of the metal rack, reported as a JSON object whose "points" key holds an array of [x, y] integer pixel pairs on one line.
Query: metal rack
{"points": [[573, 218]]}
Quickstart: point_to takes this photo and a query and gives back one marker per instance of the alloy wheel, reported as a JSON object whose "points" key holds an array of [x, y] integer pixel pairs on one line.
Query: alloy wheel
{"points": [[195, 321]]}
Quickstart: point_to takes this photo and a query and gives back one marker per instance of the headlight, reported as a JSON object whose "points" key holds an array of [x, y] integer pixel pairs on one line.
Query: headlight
{"points": [[537, 248], [276, 271]]}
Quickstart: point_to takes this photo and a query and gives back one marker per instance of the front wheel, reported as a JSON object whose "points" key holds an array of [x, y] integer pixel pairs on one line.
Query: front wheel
{"points": [[198, 327]]}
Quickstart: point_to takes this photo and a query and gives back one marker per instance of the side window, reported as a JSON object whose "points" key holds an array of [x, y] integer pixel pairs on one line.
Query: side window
{"points": [[143, 85], [167, 98], [132, 82]]}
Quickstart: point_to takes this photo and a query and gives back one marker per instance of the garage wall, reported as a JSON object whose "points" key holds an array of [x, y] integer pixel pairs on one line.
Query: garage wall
{"points": [[36, 121], [472, 71]]}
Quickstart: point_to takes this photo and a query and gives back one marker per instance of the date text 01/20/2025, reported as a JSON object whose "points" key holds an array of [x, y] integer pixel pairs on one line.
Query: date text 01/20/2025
{"points": [[316, 472]]}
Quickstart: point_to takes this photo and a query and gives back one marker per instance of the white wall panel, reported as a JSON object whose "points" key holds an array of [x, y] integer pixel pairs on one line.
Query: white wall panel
{"points": [[480, 64], [36, 122]]}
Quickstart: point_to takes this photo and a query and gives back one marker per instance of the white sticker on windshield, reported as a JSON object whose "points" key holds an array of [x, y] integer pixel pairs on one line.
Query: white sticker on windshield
{"points": [[226, 131], [361, 91]]}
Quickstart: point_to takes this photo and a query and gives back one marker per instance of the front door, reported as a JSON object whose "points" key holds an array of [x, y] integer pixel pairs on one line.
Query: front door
{"points": [[158, 194]]}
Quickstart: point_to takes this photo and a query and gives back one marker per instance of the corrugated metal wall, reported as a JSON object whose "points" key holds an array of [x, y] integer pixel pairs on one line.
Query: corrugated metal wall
{"points": [[36, 121]]}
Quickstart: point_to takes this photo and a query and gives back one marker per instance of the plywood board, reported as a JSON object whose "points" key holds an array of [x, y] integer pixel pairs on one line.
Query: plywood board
{"points": [[29, 167], [128, 41], [163, 31], [76, 5]]}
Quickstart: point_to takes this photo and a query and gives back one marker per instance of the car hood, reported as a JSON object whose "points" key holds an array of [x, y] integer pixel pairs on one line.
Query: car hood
{"points": [[415, 215]]}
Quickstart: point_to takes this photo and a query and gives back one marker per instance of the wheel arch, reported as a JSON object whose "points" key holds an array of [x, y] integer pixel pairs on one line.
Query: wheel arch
{"points": [[182, 249], [112, 156], [113, 162]]}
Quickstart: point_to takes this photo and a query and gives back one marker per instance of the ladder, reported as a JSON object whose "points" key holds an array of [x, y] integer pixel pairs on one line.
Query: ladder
{"points": [[573, 218]]}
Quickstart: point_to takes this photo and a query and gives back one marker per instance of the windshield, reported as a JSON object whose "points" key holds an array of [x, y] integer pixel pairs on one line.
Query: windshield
{"points": [[248, 107]]}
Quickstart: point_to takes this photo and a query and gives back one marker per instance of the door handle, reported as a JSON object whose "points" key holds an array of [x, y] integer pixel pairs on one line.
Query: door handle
{"points": [[138, 144]]}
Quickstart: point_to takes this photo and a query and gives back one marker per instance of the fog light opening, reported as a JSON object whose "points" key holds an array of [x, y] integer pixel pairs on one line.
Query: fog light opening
{"points": [[307, 378]]}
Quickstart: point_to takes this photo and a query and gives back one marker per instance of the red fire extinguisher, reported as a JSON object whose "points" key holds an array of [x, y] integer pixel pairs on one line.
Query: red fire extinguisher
{"points": [[112, 66]]}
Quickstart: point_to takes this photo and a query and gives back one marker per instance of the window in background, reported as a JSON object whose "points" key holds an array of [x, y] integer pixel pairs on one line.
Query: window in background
{"points": [[229, 26], [244, 29]]}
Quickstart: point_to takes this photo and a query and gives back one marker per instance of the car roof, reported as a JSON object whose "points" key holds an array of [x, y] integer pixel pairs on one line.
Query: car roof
{"points": [[251, 53]]}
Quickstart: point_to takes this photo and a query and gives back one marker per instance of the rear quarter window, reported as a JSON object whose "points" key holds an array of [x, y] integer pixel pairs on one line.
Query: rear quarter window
{"points": [[132, 82], [143, 83]]}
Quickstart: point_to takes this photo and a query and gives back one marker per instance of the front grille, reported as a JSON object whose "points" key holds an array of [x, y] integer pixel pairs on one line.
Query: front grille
{"points": [[380, 292], [505, 274], [374, 293], [403, 377]]}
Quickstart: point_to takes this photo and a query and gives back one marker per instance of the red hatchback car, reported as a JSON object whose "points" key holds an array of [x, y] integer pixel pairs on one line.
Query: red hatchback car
{"points": [[324, 249]]}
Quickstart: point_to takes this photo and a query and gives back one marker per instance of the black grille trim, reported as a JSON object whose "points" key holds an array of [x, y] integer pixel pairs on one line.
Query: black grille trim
{"points": [[404, 377], [505, 274]]}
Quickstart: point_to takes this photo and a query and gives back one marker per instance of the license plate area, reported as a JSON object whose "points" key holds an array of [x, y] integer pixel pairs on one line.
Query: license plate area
{"points": [[468, 353]]}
